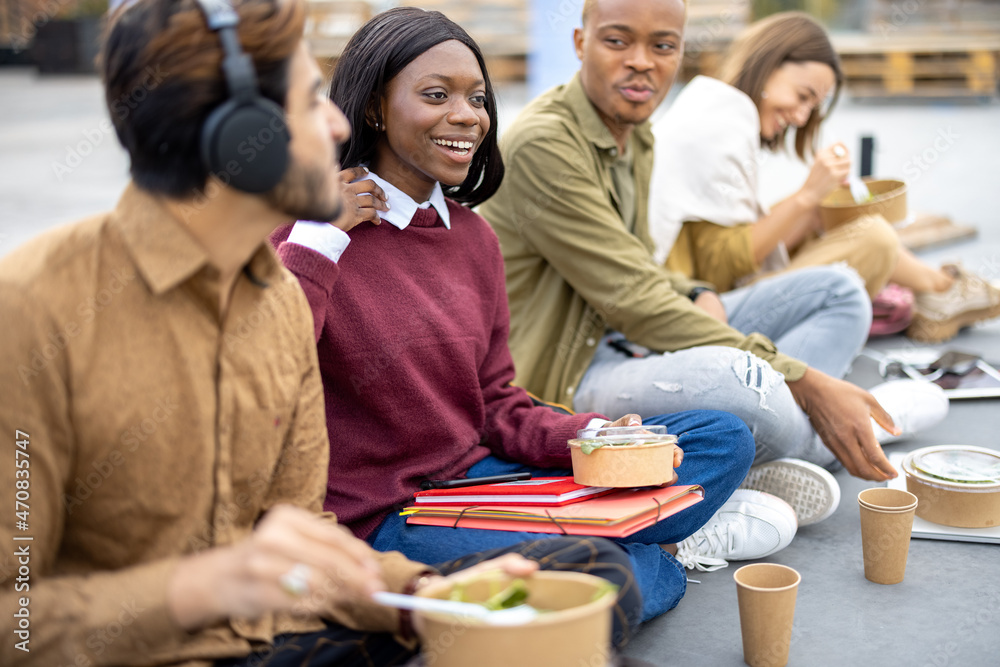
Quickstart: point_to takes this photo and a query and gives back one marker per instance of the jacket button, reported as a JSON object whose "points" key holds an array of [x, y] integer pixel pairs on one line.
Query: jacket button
{"points": [[569, 391], [591, 342]]}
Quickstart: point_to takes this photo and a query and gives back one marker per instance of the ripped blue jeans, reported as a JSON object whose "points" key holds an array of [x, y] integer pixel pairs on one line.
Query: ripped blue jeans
{"points": [[818, 315]]}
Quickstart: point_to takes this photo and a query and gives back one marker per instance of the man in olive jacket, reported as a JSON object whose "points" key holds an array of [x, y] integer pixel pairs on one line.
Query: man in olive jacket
{"points": [[597, 324]]}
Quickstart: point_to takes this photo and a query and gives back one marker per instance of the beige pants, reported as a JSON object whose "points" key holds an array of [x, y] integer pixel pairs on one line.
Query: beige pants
{"points": [[869, 245]]}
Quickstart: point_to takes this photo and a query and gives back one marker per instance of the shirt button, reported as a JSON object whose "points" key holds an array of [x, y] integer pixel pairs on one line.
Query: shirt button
{"points": [[614, 152], [569, 391], [591, 342]]}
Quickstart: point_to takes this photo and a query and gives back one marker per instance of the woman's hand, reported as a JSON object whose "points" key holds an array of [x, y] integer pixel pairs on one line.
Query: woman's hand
{"points": [[829, 170], [362, 200], [627, 420]]}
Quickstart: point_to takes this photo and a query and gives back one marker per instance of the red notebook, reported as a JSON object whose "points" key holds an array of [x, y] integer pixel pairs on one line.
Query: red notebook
{"points": [[617, 514], [552, 491]]}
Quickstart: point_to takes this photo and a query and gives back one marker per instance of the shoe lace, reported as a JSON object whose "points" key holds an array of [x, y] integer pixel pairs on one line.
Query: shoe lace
{"points": [[704, 549]]}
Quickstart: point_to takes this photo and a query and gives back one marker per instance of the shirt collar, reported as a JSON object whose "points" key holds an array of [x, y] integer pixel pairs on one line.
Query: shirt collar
{"points": [[402, 207], [164, 252], [594, 129]]}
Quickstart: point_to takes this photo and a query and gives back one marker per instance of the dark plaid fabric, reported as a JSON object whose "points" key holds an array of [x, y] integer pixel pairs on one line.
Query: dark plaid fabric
{"points": [[340, 646]]}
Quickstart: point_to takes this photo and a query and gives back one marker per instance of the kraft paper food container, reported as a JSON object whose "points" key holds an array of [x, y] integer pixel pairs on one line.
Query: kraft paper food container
{"points": [[646, 460], [963, 504], [766, 595], [575, 629], [888, 200]]}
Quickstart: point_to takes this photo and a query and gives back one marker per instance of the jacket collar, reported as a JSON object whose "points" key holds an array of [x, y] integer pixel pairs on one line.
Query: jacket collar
{"points": [[593, 128]]}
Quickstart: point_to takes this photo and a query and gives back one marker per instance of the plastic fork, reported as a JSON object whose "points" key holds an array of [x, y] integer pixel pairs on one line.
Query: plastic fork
{"points": [[859, 189], [514, 616]]}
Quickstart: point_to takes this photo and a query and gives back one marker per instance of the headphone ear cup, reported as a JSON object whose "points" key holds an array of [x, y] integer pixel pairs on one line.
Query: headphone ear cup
{"points": [[245, 144]]}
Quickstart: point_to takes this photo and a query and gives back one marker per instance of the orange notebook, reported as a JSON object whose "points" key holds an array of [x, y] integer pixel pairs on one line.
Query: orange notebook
{"points": [[617, 514]]}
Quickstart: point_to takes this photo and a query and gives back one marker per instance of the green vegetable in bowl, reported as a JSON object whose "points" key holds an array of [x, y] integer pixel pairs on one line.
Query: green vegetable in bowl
{"points": [[515, 594], [511, 595], [588, 446]]}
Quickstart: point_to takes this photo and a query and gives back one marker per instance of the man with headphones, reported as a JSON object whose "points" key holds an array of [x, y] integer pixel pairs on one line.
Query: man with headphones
{"points": [[164, 436]]}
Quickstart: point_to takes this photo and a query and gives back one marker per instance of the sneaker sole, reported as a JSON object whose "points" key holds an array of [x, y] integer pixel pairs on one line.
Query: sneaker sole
{"points": [[811, 491], [927, 330]]}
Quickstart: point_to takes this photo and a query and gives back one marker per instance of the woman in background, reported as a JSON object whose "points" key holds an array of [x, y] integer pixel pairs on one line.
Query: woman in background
{"points": [[705, 210]]}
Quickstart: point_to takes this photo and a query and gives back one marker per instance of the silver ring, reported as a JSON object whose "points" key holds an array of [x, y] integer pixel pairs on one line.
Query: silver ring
{"points": [[295, 582], [839, 151]]}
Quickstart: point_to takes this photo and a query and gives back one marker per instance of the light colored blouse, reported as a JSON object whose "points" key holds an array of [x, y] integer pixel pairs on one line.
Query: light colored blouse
{"points": [[706, 166]]}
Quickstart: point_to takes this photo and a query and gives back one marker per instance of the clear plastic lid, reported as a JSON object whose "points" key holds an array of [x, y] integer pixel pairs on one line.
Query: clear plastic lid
{"points": [[959, 464], [624, 432]]}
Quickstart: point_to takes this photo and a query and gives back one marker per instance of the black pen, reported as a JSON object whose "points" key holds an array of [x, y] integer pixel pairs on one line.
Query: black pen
{"points": [[428, 484]]}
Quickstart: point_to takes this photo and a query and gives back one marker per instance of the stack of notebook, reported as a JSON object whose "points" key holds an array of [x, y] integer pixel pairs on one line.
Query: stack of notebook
{"points": [[551, 505]]}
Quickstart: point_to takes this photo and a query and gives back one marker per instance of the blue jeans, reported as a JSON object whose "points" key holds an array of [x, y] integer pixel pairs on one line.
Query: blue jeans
{"points": [[718, 450], [819, 315]]}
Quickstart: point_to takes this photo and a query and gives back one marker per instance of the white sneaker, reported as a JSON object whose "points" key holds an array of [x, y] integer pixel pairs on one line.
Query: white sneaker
{"points": [[748, 526], [914, 405], [811, 491]]}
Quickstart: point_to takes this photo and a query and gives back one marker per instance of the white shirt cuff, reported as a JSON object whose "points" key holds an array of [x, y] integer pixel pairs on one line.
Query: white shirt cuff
{"points": [[593, 426], [324, 238]]}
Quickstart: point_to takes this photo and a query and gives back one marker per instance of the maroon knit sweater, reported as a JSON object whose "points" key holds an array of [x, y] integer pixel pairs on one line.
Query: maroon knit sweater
{"points": [[416, 370]]}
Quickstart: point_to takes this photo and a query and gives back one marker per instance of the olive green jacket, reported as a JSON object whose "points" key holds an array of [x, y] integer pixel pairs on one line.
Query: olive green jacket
{"points": [[573, 268]]}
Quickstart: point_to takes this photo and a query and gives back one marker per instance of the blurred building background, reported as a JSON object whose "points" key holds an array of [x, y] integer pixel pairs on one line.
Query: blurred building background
{"points": [[938, 49]]}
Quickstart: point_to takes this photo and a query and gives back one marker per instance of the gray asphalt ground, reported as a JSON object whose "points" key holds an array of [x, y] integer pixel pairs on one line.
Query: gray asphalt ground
{"points": [[59, 161]]}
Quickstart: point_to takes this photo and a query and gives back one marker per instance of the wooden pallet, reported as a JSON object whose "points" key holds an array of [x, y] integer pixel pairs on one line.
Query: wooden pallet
{"points": [[711, 26], [500, 27], [330, 24], [932, 231], [928, 65], [889, 17]]}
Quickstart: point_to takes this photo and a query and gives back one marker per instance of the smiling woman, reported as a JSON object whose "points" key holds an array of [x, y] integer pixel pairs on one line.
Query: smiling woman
{"points": [[415, 87], [782, 77]]}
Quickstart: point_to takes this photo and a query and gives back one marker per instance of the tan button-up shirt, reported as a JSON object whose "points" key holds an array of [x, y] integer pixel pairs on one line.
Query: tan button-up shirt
{"points": [[152, 428]]}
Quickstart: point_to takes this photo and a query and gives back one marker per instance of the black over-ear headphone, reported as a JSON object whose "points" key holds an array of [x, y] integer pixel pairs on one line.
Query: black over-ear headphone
{"points": [[244, 141]]}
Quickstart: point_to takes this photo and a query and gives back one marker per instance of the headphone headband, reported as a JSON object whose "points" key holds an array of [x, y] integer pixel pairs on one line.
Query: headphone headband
{"points": [[244, 141], [219, 14], [237, 66]]}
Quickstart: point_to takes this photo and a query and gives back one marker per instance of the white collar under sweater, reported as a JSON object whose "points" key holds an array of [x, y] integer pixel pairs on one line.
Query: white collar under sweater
{"points": [[402, 207], [331, 242]]}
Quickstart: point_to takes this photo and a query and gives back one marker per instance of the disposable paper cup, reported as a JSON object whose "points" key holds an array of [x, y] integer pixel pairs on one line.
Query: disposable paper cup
{"points": [[575, 630], [887, 500], [766, 594], [886, 522]]}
